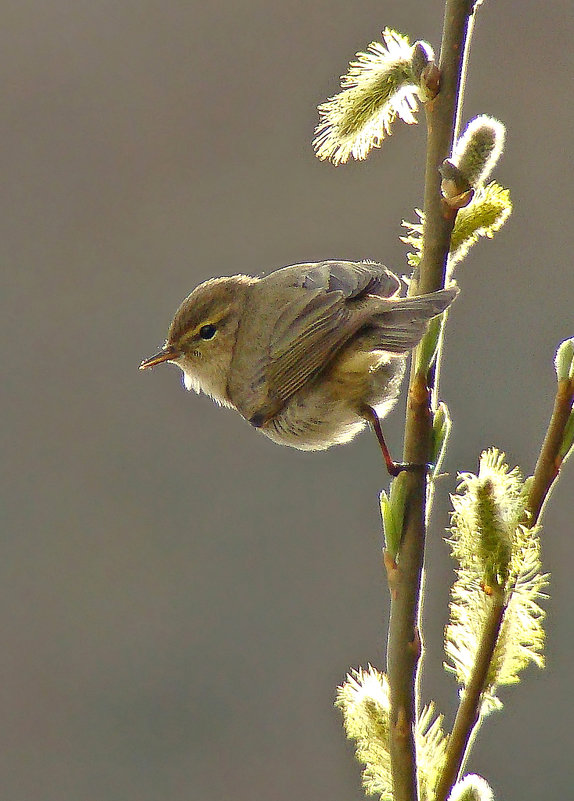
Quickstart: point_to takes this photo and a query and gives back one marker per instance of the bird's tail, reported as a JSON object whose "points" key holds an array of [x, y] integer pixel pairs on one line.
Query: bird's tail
{"points": [[399, 325]]}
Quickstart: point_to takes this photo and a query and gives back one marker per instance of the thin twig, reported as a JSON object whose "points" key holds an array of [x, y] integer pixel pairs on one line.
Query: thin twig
{"points": [[468, 713], [404, 644], [549, 460]]}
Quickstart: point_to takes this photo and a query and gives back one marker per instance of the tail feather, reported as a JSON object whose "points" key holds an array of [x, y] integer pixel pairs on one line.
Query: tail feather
{"points": [[401, 325]]}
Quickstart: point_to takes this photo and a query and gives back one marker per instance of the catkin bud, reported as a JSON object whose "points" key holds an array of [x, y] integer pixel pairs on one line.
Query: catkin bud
{"points": [[479, 148], [471, 788]]}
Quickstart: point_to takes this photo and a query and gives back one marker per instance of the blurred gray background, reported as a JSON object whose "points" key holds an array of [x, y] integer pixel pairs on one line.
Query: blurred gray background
{"points": [[179, 596]]}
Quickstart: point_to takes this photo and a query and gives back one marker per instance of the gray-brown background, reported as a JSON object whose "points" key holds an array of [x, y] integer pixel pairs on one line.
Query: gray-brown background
{"points": [[179, 596]]}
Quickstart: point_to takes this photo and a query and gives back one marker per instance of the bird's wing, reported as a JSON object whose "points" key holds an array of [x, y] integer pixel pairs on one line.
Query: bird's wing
{"points": [[317, 311], [398, 325], [352, 278]]}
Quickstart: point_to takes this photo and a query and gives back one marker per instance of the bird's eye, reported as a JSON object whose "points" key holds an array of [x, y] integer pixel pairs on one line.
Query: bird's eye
{"points": [[207, 331]]}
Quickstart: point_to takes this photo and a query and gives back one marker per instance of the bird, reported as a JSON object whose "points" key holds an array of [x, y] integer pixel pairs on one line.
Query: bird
{"points": [[307, 354]]}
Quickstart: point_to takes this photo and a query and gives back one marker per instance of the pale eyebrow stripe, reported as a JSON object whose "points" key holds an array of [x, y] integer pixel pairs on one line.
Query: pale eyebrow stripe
{"points": [[208, 321]]}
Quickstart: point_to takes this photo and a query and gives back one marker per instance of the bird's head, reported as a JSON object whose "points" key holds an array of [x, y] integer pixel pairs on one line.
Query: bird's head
{"points": [[202, 335]]}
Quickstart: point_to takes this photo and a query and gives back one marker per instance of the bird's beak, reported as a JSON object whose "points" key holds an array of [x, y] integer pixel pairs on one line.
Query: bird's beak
{"points": [[167, 354]]}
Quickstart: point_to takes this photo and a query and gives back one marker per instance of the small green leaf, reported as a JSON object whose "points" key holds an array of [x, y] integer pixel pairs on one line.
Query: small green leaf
{"points": [[564, 360], [426, 351], [441, 428], [393, 512]]}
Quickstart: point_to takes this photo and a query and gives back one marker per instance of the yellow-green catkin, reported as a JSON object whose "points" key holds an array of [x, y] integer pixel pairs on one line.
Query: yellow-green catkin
{"points": [[380, 85]]}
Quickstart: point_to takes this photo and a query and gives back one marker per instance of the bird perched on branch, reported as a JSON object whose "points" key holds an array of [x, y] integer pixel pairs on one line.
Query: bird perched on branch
{"points": [[306, 354]]}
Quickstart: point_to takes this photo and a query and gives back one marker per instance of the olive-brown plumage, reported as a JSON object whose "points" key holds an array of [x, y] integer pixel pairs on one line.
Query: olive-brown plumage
{"points": [[304, 353]]}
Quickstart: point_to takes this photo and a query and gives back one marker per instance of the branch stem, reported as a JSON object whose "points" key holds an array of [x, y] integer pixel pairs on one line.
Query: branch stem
{"points": [[442, 115], [404, 643], [468, 713], [549, 461]]}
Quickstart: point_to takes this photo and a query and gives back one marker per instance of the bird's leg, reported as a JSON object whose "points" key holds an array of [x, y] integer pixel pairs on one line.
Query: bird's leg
{"points": [[393, 467]]}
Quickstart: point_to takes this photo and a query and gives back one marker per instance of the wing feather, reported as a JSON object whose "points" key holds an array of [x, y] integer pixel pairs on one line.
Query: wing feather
{"points": [[296, 319], [275, 359]]}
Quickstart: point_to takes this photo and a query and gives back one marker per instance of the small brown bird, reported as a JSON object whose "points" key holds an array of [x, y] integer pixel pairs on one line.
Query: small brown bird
{"points": [[307, 354]]}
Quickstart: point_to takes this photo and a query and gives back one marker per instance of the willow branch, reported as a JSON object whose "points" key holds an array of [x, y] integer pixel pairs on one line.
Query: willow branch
{"points": [[550, 460], [404, 644], [468, 713]]}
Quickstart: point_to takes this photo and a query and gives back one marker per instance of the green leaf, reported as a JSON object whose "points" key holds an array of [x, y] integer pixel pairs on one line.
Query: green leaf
{"points": [[564, 360], [393, 512]]}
